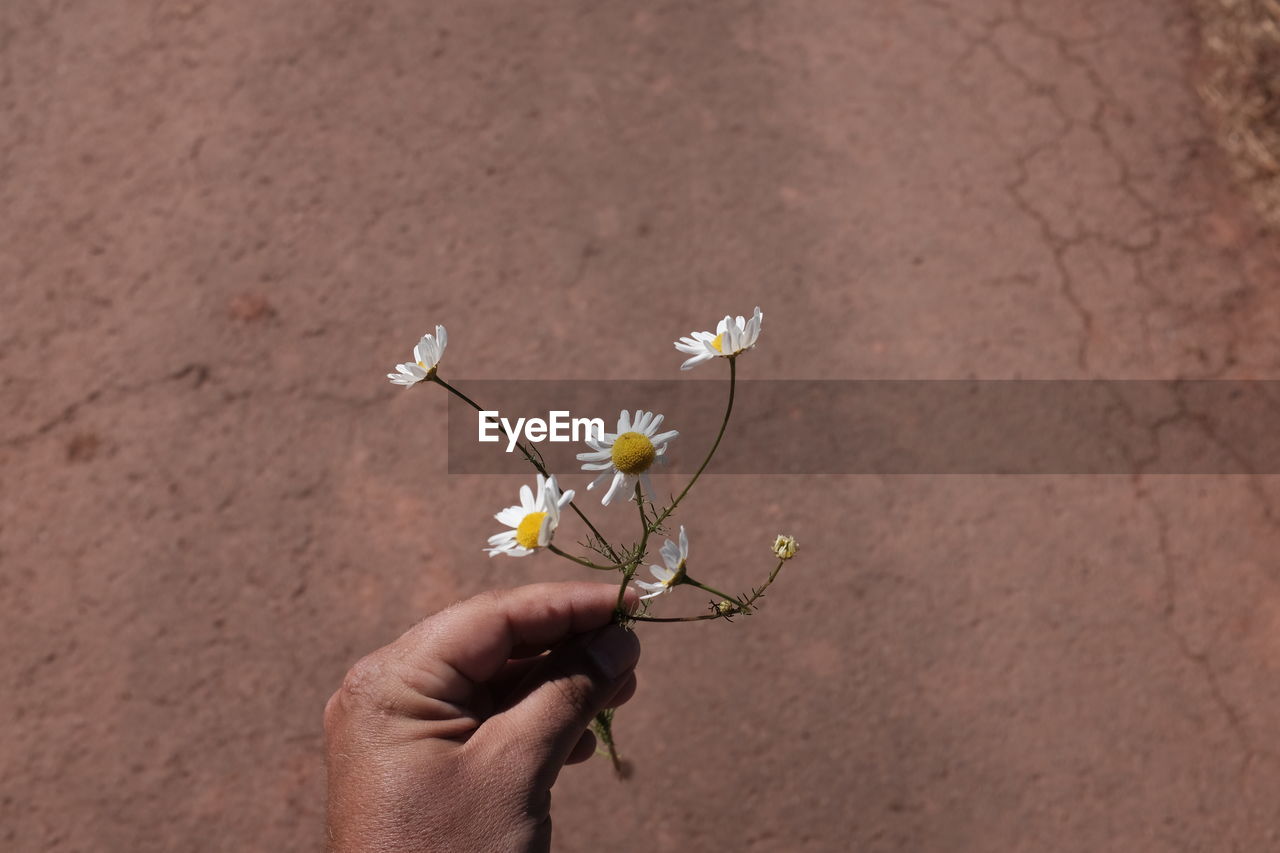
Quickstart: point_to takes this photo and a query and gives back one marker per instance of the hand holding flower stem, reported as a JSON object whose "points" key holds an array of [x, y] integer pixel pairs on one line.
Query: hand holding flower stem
{"points": [[625, 458]]}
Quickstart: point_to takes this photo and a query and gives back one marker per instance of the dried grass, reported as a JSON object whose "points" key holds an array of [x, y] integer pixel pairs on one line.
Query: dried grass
{"points": [[1241, 84]]}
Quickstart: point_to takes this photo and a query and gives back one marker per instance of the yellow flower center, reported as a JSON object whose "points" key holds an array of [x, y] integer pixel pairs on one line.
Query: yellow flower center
{"points": [[632, 453], [718, 343], [527, 532]]}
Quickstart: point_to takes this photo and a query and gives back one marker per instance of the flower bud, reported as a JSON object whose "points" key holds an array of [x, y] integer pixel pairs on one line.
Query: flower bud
{"points": [[785, 547]]}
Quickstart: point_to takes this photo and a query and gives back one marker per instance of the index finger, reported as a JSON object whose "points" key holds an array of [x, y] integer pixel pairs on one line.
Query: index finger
{"points": [[476, 637]]}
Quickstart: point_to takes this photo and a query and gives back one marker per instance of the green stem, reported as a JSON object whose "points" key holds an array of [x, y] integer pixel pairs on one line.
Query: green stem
{"points": [[620, 614], [650, 526], [755, 596], [714, 591], [542, 469], [733, 381], [581, 562], [644, 522], [629, 571], [743, 606], [603, 726], [704, 617]]}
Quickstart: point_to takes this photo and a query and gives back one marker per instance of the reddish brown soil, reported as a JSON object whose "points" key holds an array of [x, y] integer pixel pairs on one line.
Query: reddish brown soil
{"points": [[223, 222]]}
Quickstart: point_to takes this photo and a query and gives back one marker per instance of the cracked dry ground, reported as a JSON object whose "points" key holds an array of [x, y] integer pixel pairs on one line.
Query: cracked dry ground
{"points": [[224, 221]]}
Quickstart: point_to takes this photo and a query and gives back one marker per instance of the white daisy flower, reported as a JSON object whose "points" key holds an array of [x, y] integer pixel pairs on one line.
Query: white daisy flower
{"points": [[426, 358], [733, 336], [533, 522], [627, 454], [675, 557]]}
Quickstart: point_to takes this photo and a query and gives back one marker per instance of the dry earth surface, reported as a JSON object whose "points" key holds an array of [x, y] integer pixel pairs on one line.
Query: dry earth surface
{"points": [[223, 222]]}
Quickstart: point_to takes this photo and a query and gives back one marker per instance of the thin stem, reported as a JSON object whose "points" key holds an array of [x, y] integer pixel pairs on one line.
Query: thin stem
{"points": [[744, 606], [650, 526], [435, 377], [581, 562], [642, 548], [731, 599], [628, 572], [704, 617], [616, 761], [733, 377], [542, 469], [773, 575], [604, 730]]}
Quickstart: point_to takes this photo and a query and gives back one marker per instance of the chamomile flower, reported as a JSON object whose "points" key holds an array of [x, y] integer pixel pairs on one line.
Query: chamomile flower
{"points": [[785, 547], [426, 358], [675, 557], [733, 336], [626, 455], [533, 522]]}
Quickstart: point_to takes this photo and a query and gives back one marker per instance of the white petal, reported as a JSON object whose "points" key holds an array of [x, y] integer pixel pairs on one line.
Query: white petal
{"points": [[691, 363], [619, 480], [662, 574], [511, 516], [670, 554], [544, 531], [663, 437]]}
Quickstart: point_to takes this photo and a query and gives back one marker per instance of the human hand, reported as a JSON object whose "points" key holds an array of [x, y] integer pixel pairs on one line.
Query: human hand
{"points": [[451, 737]]}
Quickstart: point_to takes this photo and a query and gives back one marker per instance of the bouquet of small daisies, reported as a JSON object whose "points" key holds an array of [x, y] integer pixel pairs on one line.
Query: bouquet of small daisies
{"points": [[623, 460]]}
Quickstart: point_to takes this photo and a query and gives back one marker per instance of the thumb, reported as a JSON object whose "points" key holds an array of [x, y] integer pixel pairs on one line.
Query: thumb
{"points": [[573, 683]]}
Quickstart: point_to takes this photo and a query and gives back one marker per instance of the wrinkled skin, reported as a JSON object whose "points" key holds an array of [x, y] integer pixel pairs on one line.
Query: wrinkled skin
{"points": [[450, 738]]}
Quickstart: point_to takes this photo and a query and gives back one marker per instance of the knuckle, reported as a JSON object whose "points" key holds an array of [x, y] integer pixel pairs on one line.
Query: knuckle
{"points": [[490, 598], [364, 683], [375, 684]]}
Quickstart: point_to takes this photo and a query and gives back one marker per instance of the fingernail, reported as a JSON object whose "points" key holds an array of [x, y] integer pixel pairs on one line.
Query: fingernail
{"points": [[614, 651]]}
